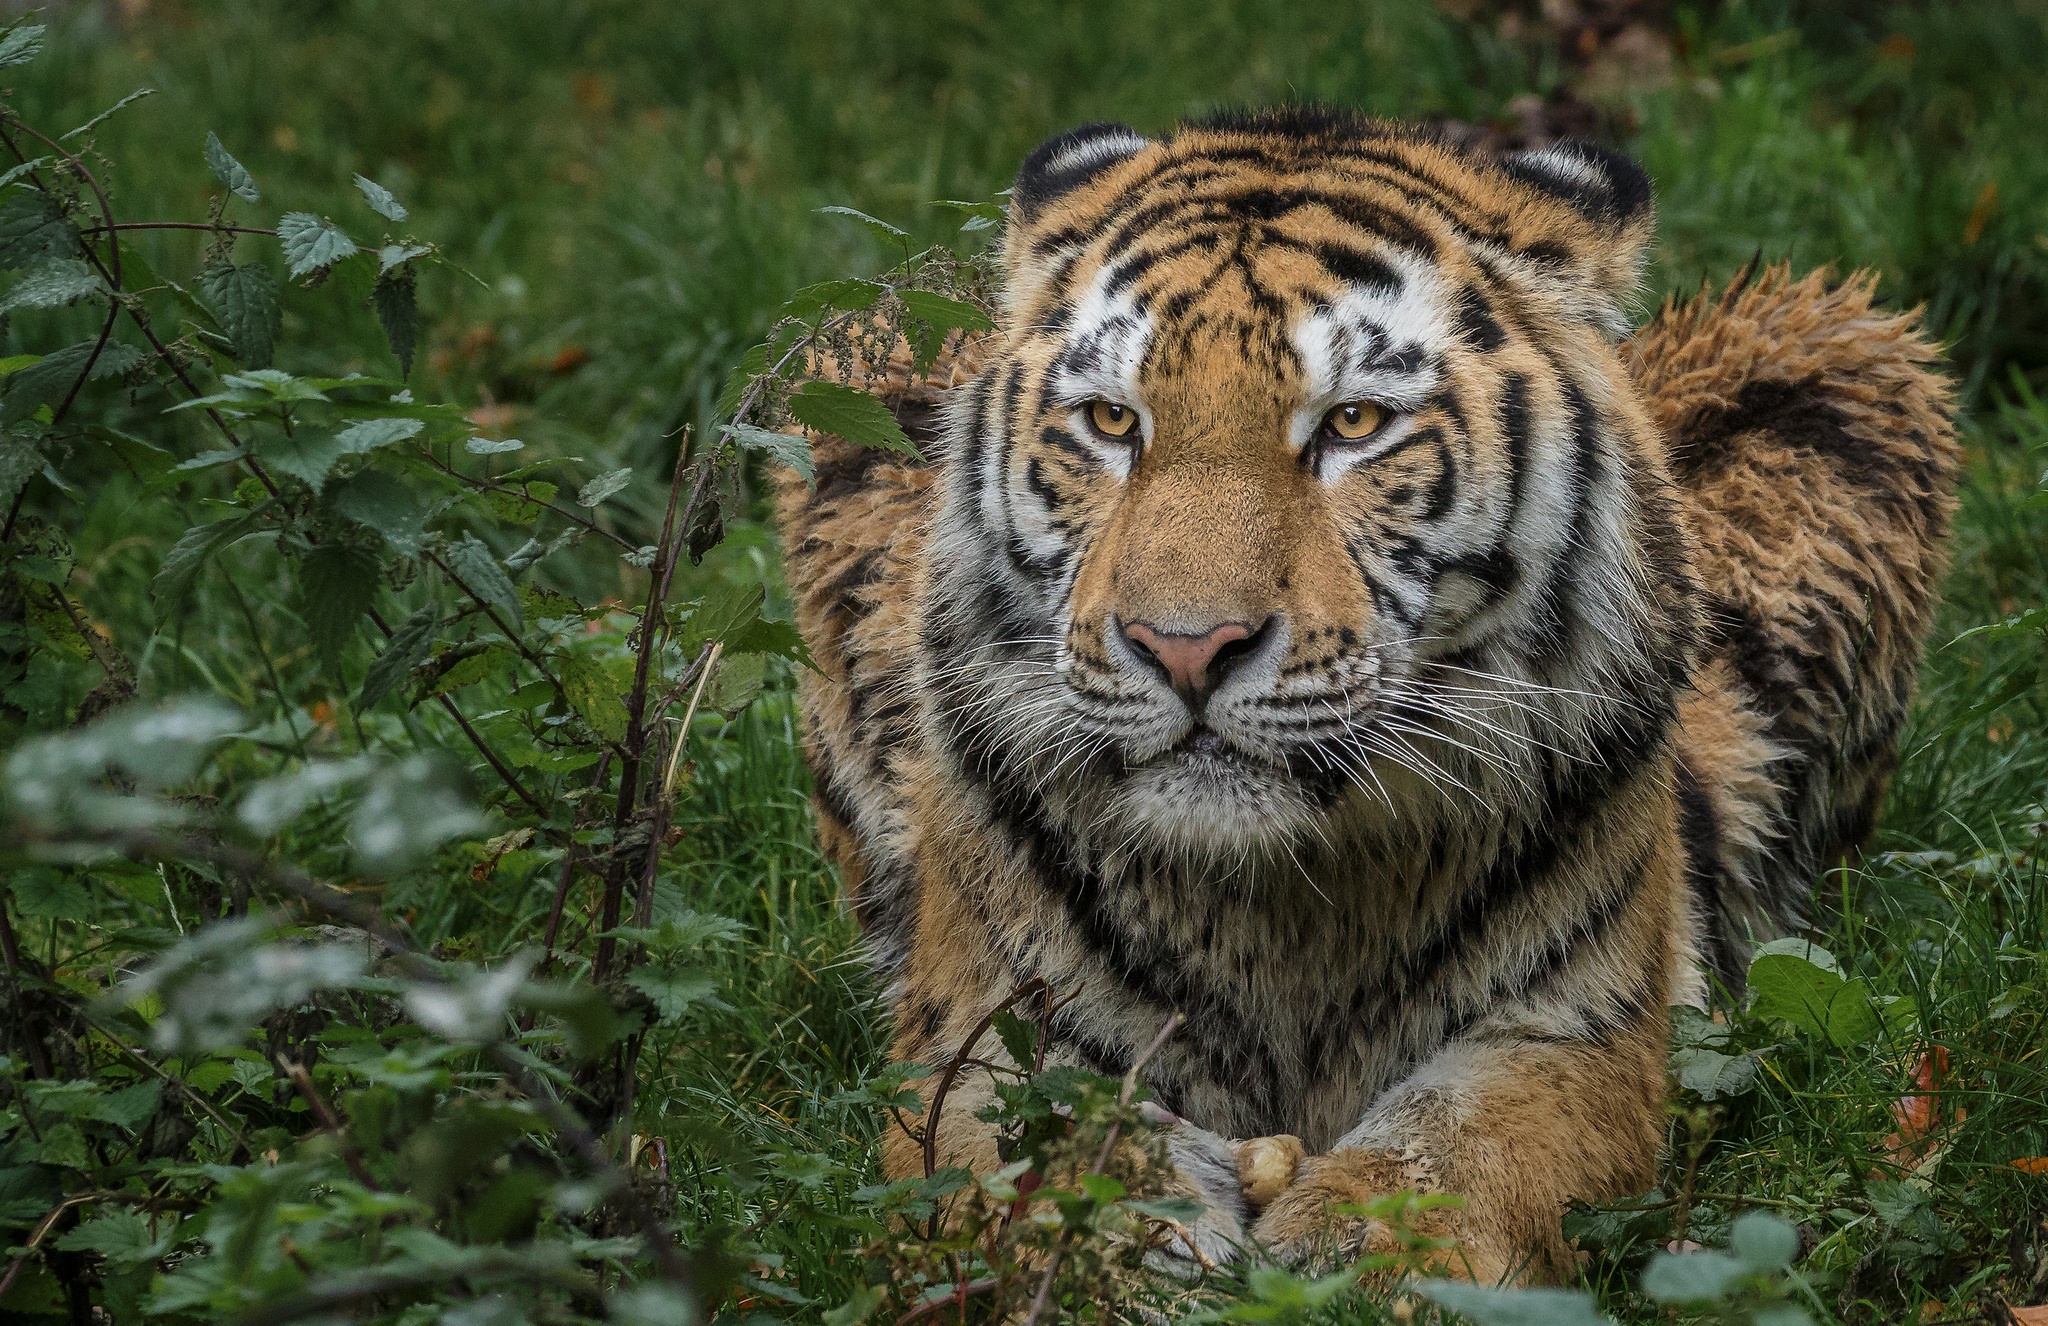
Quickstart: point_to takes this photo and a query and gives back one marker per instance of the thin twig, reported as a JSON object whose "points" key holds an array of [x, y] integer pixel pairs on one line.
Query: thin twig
{"points": [[175, 225], [1041, 1299]]}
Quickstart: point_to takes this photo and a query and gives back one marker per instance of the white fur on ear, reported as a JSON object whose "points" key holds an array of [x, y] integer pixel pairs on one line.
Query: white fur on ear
{"points": [[1071, 160], [1603, 186]]}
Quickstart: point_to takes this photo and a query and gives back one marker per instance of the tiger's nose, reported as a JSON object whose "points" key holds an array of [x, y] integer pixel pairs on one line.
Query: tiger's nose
{"points": [[1195, 664]]}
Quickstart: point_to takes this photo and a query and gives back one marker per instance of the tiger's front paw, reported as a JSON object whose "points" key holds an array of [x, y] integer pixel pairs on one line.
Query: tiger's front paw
{"points": [[1205, 1169], [1300, 1229]]}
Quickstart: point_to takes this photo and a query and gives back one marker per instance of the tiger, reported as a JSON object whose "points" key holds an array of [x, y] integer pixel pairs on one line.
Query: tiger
{"points": [[1317, 611]]}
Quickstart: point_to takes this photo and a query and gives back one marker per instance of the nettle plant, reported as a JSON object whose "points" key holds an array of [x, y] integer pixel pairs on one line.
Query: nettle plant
{"points": [[276, 1102]]}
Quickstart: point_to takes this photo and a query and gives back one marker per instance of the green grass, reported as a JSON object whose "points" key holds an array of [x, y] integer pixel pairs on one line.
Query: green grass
{"points": [[636, 183]]}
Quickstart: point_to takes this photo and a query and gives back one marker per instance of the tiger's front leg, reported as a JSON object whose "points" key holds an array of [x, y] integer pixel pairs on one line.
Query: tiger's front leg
{"points": [[1516, 1127]]}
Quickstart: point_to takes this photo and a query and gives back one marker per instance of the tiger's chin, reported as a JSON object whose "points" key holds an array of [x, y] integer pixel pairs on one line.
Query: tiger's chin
{"points": [[1205, 799]]}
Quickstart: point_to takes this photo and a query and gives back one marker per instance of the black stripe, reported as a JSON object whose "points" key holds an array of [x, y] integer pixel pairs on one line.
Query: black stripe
{"points": [[1476, 324]]}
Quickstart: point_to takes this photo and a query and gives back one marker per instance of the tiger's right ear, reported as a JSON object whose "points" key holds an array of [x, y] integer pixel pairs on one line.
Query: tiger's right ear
{"points": [[1063, 164]]}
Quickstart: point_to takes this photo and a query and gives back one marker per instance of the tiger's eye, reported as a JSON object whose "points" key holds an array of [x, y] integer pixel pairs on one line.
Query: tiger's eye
{"points": [[1356, 420], [1111, 419]]}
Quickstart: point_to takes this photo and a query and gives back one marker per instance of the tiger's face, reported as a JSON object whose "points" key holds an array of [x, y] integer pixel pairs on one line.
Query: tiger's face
{"points": [[1306, 477]]}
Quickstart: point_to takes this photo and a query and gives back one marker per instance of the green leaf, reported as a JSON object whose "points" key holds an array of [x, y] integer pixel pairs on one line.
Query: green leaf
{"points": [[245, 296], [33, 227], [229, 171], [484, 446], [397, 255], [881, 229], [377, 501], [477, 568], [52, 283], [791, 449], [307, 455], [1762, 1242], [843, 411], [406, 649], [410, 809], [848, 295], [1692, 1277], [191, 552], [725, 612], [1019, 1038], [395, 296], [50, 895], [604, 486], [931, 317], [21, 45], [130, 1107], [943, 313], [736, 683], [1713, 1075], [752, 364], [123, 1238], [594, 696], [312, 243], [337, 586], [45, 382], [371, 434], [1802, 983], [380, 200], [1489, 1306], [676, 993], [20, 461], [1184, 1210], [857, 1309], [109, 113]]}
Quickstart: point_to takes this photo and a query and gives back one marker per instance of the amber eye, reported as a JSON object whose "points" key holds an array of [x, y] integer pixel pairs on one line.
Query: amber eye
{"points": [[1112, 420], [1355, 420]]}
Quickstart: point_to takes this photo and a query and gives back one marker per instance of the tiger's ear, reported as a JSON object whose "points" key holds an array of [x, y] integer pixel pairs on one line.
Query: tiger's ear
{"points": [[1605, 187], [1611, 191], [1063, 164]]}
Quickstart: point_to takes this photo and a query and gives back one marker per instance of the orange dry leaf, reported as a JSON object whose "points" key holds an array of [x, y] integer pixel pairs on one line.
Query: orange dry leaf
{"points": [[1918, 1116], [2029, 1316], [1980, 212], [2031, 1164]]}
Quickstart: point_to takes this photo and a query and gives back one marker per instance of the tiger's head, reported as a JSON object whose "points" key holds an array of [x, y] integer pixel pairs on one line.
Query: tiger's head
{"points": [[1305, 481]]}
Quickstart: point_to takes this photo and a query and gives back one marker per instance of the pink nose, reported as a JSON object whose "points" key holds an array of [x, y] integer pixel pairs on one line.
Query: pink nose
{"points": [[1187, 659]]}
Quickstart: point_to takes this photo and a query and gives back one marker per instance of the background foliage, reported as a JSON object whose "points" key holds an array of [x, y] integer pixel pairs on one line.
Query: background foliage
{"points": [[463, 1100]]}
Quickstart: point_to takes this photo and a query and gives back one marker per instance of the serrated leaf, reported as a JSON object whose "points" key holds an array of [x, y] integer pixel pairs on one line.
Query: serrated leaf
{"points": [[117, 359], [380, 199], [881, 229], [942, 312], [791, 449], [842, 411], [49, 895], [848, 295], [129, 1107], [371, 434], [676, 993], [21, 45], [123, 1238], [33, 227], [20, 461], [45, 382], [109, 113], [604, 486], [594, 696], [736, 683], [476, 566], [752, 364], [395, 296], [1182, 1210], [484, 446], [52, 283], [307, 455], [377, 501], [406, 649], [245, 296], [312, 243], [397, 255], [191, 552], [337, 585], [230, 172]]}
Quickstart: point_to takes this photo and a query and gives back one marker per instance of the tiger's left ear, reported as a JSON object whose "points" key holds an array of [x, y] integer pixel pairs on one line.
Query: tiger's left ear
{"points": [[1065, 163], [1606, 188]]}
